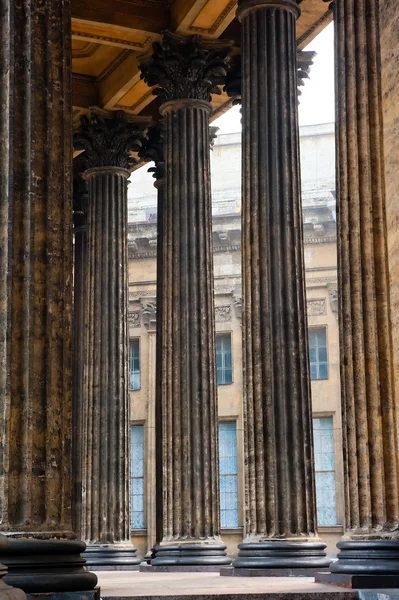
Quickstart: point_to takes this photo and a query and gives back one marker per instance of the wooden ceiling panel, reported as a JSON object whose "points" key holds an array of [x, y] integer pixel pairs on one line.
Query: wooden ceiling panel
{"points": [[111, 35], [136, 98], [97, 63]]}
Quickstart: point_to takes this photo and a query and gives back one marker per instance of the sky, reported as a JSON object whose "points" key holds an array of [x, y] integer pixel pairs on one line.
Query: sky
{"points": [[317, 99]]}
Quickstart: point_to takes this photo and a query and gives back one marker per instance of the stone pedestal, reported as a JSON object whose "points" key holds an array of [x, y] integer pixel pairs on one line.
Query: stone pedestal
{"points": [[280, 507], [105, 495], [35, 288], [370, 546], [187, 455]]}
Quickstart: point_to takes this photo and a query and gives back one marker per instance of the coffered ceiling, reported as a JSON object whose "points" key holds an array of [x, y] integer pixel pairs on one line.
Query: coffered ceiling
{"points": [[109, 36]]}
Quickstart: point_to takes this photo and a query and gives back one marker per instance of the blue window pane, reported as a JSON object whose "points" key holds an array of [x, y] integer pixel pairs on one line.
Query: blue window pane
{"points": [[318, 353], [135, 364], [323, 434], [224, 359], [228, 475], [137, 476]]}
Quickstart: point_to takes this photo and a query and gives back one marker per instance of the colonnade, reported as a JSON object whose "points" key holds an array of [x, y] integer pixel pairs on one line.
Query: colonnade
{"points": [[38, 477]]}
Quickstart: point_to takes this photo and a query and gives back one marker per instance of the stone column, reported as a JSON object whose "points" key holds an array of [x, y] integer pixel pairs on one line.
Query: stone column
{"points": [[36, 298], [371, 541], [281, 530], [108, 142], [153, 150], [188, 469], [80, 199]]}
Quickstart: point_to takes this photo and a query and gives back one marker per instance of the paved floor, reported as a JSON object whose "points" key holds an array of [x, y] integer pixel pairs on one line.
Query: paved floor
{"points": [[122, 584]]}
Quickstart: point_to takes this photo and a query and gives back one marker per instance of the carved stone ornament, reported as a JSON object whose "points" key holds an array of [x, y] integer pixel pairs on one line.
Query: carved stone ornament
{"points": [[213, 133], [134, 318], [317, 307], [108, 141], [149, 312], [223, 313], [152, 150], [333, 293], [186, 67]]}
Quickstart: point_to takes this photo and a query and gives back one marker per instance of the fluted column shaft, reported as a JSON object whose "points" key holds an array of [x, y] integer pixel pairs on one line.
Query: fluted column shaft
{"points": [[106, 479], [280, 489], [189, 410], [36, 268], [369, 422], [187, 453]]}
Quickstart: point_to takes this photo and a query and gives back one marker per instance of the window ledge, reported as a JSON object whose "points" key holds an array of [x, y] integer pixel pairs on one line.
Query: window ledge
{"points": [[331, 528], [228, 530], [138, 532]]}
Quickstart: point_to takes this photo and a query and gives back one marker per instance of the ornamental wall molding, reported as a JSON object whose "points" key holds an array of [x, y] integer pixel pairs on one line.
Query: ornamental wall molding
{"points": [[133, 317], [321, 281], [86, 35]]}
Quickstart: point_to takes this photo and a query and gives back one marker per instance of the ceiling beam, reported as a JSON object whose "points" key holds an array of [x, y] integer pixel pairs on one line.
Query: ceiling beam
{"points": [[152, 16]]}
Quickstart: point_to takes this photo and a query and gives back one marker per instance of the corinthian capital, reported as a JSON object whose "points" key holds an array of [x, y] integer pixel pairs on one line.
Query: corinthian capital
{"points": [[108, 139], [186, 67]]}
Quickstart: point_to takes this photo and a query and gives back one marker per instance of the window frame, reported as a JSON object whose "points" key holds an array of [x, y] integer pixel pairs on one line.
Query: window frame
{"points": [[223, 368], [331, 416], [236, 475], [324, 328], [131, 341], [136, 530]]}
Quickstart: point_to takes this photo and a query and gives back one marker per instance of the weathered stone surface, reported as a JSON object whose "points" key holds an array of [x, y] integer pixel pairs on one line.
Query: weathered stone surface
{"points": [[36, 268], [389, 48], [369, 422], [279, 471], [108, 143]]}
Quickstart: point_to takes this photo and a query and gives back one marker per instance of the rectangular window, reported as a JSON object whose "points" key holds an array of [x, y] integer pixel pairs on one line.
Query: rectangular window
{"points": [[323, 434], [135, 364], [137, 475], [318, 353], [223, 359], [228, 473]]}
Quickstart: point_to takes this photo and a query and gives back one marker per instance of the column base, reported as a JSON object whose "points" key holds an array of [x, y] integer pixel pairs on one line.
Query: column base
{"points": [[6, 591], [281, 559], [357, 582], [42, 566], [112, 558], [191, 555], [367, 557]]}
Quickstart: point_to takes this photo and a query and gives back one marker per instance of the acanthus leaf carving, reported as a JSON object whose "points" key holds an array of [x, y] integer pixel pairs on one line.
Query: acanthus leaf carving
{"points": [[108, 141], [186, 68], [152, 150]]}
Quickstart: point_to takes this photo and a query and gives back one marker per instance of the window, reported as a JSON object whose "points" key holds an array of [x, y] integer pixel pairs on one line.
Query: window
{"points": [[223, 359], [318, 353], [137, 475], [323, 434], [135, 364], [228, 475]]}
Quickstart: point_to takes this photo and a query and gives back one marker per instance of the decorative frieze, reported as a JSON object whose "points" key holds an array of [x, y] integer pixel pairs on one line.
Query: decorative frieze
{"points": [[223, 313], [133, 318], [317, 307]]}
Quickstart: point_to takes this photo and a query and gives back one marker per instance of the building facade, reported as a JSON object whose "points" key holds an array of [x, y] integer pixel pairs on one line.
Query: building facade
{"points": [[319, 218]]}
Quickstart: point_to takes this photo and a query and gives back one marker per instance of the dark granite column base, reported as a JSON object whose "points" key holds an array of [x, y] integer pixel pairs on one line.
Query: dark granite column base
{"points": [[47, 566], [191, 555], [365, 564], [357, 582], [234, 572], [278, 557], [92, 595], [112, 558]]}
